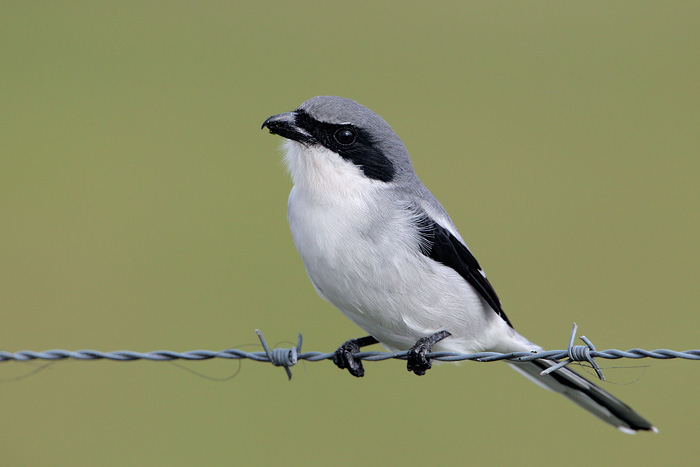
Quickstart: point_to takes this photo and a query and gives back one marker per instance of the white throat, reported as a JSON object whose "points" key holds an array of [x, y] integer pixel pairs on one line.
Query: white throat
{"points": [[322, 172]]}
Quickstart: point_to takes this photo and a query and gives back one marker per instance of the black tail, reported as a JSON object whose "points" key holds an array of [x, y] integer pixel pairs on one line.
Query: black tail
{"points": [[586, 394]]}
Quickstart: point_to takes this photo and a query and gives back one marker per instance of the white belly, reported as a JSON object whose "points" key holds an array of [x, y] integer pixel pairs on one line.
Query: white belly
{"points": [[383, 283]]}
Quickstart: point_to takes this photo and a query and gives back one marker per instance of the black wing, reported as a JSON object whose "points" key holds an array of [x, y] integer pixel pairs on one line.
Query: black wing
{"points": [[446, 249]]}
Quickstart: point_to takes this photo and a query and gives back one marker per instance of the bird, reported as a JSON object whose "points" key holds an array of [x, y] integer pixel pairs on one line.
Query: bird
{"points": [[381, 248]]}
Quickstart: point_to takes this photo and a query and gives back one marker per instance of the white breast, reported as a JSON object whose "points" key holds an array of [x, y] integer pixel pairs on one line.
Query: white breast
{"points": [[362, 254]]}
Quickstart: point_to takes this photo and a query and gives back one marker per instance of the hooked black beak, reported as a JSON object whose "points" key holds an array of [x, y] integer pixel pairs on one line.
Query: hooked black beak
{"points": [[285, 125], [278, 121]]}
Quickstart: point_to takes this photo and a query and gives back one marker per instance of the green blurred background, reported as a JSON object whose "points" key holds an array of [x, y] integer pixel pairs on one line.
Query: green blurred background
{"points": [[142, 208]]}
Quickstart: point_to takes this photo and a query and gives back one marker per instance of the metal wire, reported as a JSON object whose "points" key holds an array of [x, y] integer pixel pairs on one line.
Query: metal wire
{"points": [[289, 357]]}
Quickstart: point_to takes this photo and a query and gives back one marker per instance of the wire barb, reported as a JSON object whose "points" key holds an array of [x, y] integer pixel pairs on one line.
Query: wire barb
{"points": [[281, 357], [577, 353]]}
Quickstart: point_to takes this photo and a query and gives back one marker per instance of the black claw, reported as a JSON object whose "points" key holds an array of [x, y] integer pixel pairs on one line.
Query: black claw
{"points": [[345, 358], [417, 361]]}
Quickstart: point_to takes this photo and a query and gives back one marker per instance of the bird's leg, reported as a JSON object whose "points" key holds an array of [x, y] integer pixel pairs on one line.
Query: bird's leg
{"points": [[417, 361], [345, 355]]}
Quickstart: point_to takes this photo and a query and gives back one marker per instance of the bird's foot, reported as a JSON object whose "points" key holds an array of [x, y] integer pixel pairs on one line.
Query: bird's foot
{"points": [[417, 361], [344, 357]]}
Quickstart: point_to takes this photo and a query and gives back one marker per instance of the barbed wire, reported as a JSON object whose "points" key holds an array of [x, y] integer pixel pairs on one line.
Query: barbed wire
{"points": [[288, 357]]}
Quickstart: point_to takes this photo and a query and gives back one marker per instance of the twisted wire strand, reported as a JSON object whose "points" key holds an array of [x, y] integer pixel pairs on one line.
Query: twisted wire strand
{"points": [[287, 358], [235, 354]]}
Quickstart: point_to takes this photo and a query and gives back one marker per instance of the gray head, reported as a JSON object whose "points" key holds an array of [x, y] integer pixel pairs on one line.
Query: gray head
{"points": [[349, 129]]}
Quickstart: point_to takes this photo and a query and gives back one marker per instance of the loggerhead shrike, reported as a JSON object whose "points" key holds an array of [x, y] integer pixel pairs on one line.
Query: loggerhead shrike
{"points": [[380, 247]]}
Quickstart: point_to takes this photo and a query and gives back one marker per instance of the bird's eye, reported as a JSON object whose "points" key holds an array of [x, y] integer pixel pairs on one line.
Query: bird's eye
{"points": [[345, 136]]}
